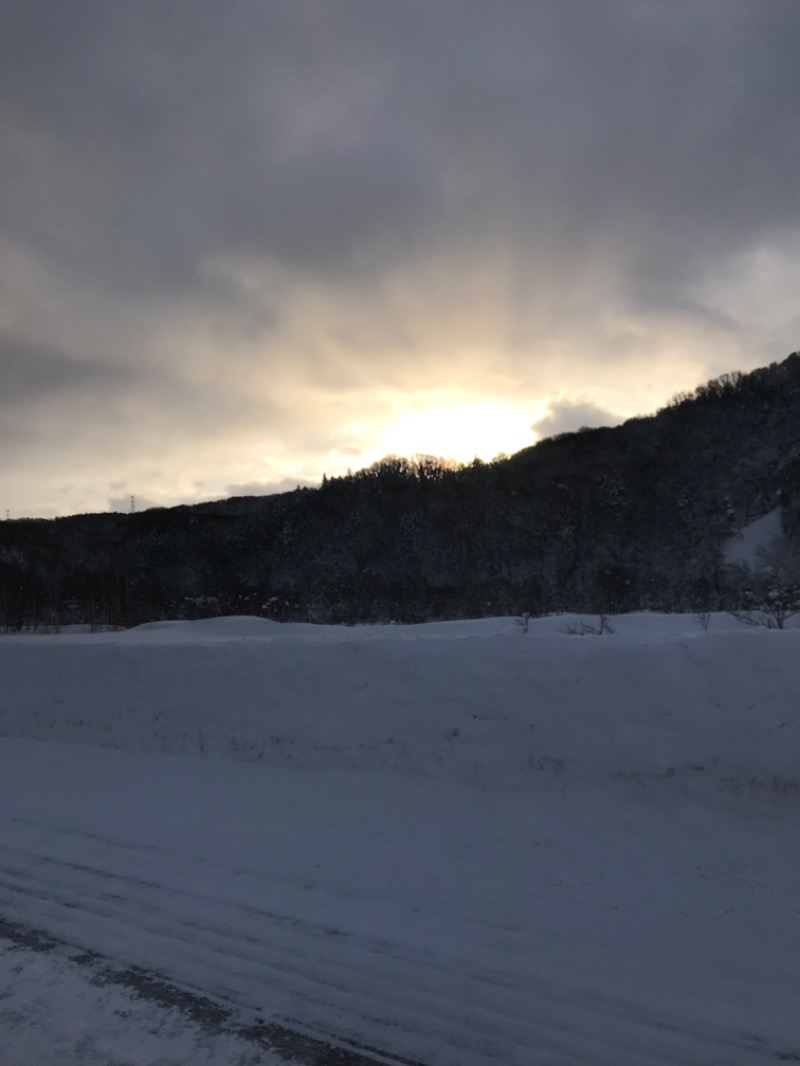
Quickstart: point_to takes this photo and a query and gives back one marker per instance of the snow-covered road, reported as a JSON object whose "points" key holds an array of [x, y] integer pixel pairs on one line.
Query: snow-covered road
{"points": [[56, 1011], [447, 924]]}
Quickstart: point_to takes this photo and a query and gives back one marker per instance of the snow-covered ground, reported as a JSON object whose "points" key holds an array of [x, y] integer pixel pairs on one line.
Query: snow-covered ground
{"points": [[744, 548], [52, 1013], [456, 843]]}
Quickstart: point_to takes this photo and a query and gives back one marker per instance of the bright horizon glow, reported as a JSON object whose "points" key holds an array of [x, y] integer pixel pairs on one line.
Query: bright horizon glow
{"points": [[461, 431]]}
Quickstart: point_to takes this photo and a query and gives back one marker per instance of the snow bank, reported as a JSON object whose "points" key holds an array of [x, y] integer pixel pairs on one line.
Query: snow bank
{"points": [[477, 702]]}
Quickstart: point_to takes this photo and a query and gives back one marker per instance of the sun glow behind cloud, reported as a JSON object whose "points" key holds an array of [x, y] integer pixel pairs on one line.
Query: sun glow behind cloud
{"points": [[461, 431], [433, 249]]}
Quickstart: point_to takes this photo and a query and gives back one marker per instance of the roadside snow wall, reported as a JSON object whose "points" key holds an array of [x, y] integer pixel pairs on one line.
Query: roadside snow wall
{"points": [[494, 707]]}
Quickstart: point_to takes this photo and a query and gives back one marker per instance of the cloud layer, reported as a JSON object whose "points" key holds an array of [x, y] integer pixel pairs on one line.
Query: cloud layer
{"points": [[240, 242]]}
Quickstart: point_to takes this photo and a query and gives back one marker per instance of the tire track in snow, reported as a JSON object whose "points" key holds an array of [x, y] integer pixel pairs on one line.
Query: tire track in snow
{"points": [[398, 995], [364, 987], [295, 1046]]}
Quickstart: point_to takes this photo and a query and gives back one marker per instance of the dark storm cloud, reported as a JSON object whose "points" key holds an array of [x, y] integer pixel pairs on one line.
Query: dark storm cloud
{"points": [[335, 137]]}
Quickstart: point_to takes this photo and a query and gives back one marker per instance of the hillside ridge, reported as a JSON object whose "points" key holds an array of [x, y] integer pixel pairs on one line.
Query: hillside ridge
{"points": [[609, 519]]}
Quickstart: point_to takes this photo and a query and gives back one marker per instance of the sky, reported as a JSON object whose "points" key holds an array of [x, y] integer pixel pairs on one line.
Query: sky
{"points": [[246, 244]]}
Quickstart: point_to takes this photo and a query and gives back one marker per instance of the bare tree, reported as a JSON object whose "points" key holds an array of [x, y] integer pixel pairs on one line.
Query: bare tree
{"points": [[772, 596]]}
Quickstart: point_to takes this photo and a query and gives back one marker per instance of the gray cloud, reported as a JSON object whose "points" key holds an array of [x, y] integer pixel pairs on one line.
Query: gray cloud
{"points": [[36, 380], [568, 417], [31, 372], [266, 488], [335, 137], [251, 208]]}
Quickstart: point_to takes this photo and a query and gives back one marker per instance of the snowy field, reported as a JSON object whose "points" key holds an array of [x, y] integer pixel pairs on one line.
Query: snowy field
{"points": [[450, 844]]}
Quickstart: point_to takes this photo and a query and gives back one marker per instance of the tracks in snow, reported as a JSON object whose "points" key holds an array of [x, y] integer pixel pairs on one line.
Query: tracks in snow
{"points": [[212, 935]]}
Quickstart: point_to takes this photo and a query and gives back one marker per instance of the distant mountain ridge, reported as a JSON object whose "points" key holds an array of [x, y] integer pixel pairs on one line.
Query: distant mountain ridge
{"points": [[605, 520]]}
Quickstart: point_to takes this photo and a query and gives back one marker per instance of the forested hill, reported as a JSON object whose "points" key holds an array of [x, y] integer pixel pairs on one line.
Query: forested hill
{"points": [[598, 520]]}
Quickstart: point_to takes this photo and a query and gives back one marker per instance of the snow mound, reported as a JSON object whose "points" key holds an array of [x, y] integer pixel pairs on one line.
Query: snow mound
{"points": [[236, 627], [253, 628]]}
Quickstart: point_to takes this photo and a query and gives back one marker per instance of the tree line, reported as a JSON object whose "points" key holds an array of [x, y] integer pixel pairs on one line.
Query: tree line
{"points": [[602, 520]]}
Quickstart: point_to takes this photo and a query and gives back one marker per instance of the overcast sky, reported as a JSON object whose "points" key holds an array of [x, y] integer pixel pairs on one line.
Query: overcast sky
{"points": [[246, 243]]}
